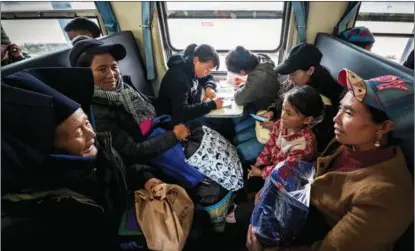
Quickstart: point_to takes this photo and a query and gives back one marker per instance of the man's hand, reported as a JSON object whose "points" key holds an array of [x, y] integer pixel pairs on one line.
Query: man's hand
{"points": [[150, 184], [210, 93], [14, 51]]}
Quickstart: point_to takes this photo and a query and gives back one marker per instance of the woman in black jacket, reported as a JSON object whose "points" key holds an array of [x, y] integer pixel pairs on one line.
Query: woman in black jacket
{"points": [[304, 68], [120, 109], [63, 186], [188, 83]]}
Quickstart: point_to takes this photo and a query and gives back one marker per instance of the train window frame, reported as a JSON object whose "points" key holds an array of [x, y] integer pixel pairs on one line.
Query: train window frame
{"points": [[169, 49], [393, 17], [54, 14]]}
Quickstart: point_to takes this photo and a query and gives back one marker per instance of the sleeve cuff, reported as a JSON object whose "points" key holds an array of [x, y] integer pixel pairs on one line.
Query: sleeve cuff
{"points": [[211, 85], [146, 176], [212, 105]]}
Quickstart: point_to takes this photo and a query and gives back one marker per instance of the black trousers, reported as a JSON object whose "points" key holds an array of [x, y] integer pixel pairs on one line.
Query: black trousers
{"points": [[251, 187]]}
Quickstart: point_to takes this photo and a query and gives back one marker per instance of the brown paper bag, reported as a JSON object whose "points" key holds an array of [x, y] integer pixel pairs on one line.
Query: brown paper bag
{"points": [[165, 221]]}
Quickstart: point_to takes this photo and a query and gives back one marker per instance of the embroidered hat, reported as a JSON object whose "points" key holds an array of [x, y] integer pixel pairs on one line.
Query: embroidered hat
{"points": [[360, 36], [390, 94]]}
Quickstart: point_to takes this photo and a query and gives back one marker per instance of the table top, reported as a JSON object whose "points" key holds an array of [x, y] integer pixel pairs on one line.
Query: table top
{"points": [[226, 91]]}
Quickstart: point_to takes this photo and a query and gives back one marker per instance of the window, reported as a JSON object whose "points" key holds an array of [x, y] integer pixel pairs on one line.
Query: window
{"points": [[392, 24], [34, 6], [37, 27], [258, 26]]}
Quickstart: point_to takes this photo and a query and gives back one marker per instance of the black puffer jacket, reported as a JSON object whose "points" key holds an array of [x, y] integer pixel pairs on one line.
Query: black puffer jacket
{"points": [[55, 202], [58, 200], [181, 92], [127, 138]]}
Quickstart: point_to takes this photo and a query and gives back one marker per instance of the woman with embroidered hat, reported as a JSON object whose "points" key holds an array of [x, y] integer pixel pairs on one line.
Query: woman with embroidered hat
{"points": [[362, 195], [62, 185], [359, 36]]}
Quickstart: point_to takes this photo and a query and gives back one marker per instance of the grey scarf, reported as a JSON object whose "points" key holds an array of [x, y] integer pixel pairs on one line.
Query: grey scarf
{"points": [[131, 100]]}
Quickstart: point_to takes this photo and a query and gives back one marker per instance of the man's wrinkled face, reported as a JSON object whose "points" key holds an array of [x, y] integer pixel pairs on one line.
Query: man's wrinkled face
{"points": [[75, 135]]}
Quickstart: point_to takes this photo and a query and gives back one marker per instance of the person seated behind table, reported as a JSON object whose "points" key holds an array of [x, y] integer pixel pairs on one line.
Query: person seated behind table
{"points": [[256, 92], [118, 107], [262, 84], [363, 189], [359, 36], [188, 77], [82, 26], [62, 185]]}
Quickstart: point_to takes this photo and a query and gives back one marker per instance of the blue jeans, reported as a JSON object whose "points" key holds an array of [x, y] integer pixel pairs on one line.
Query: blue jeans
{"points": [[249, 150], [243, 127], [245, 139]]}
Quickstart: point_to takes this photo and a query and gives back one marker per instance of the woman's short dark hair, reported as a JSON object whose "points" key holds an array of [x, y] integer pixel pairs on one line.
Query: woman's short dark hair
{"points": [[241, 59], [325, 84], [378, 116], [204, 52], [306, 100]]}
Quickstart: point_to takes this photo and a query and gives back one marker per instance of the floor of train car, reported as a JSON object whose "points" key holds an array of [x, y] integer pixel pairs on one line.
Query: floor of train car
{"points": [[204, 239]]}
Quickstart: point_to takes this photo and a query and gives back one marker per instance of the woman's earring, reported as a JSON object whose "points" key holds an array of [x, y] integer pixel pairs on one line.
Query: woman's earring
{"points": [[377, 142]]}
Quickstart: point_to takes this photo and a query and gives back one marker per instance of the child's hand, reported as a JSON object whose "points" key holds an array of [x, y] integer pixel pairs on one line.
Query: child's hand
{"points": [[254, 172], [268, 124]]}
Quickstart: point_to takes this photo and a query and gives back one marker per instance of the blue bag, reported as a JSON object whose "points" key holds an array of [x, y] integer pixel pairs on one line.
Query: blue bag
{"points": [[173, 161], [283, 206]]}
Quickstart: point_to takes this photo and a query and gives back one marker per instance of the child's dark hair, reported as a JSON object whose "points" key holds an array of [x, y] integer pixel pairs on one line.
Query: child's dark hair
{"points": [[204, 52], [241, 59], [305, 100]]}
